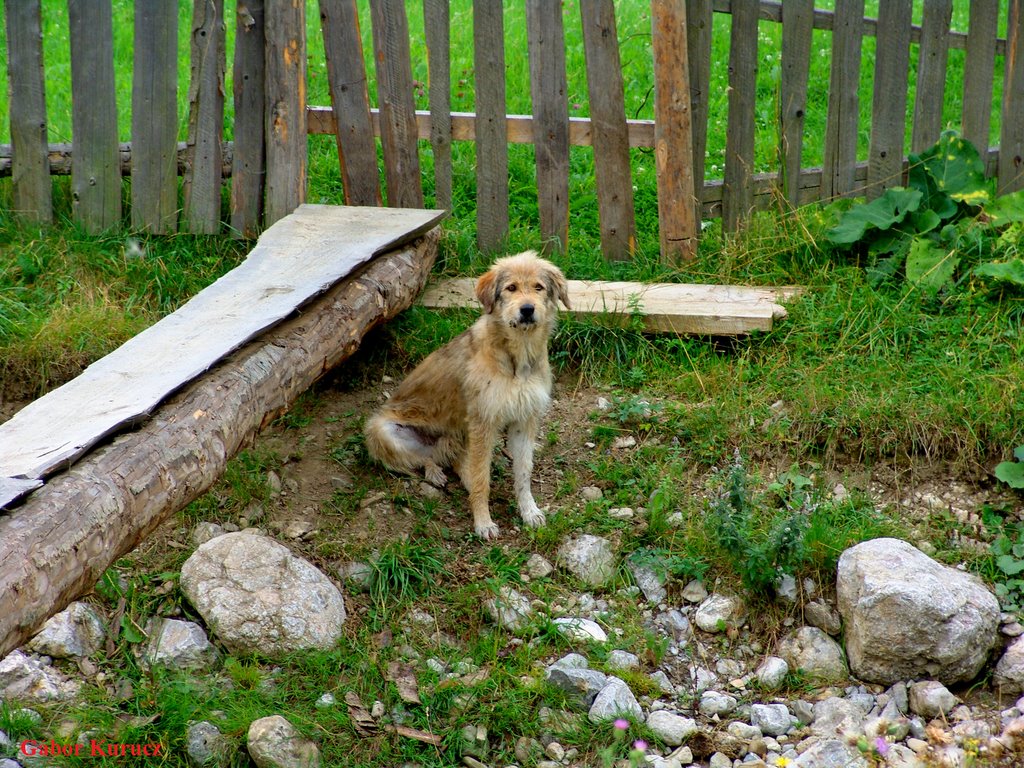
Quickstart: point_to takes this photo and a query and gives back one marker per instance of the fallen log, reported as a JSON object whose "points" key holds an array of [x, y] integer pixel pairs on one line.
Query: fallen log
{"points": [[57, 544]]}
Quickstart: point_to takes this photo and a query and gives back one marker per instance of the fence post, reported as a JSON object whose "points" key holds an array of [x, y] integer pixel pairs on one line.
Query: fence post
{"points": [[285, 107], [437, 23], [155, 117], [840, 161], [1011, 136], [738, 189], [673, 133], [96, 157], [491, 125], [249, 159], [30, 164]]}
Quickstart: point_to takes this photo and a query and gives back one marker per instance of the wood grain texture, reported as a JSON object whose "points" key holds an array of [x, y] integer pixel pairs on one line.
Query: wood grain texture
{"points": [[840, 158], [55, 547], [95, 172], [286, 134], [437, 26], [889, 101], [491, 132], [678, 226], [797, 39], [300, 256], [202, 181], [933, 58], [548, 89], [979, 72], [698, 46], [739, 141], [31, 187], [155, 118], [610, 135], [1011, 134], [250, 166]]}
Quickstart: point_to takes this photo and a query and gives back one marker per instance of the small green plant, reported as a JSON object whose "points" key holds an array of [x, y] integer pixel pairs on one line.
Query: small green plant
{"points": [[1012, 472], [404, 570], [1008, 549]]}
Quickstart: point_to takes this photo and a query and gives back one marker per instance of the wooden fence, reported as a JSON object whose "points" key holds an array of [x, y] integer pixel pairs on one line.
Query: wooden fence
{"points": [[267, 160]]}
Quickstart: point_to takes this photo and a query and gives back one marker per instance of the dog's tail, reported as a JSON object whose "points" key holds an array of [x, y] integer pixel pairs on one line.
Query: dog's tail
{"points": [[398, 447]]}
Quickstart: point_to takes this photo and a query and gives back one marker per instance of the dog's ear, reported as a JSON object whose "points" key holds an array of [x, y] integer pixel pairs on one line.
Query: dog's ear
{"points": [[557, 284], [486, 289]]}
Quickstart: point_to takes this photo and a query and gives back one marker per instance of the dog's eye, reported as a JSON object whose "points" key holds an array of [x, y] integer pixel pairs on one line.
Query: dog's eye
{"points": [[511, 288], [539, 287]]}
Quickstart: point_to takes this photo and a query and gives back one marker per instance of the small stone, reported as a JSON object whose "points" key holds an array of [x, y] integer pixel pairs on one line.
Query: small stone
{"points": [[326, 700], [273, 742], [715, 703], [177, 644], [590, 558], [74, 633], [786, 589], [662, 680], [555, 751], [650, 582], [670, 727], [824, 617], [627, 441], [581, 629], [619, 660], [718, 612], [527, 750], [509, 609], [772, 673], [430, 492], [356, 574], [720, 760], [621, 513], [205, 745], [591, 493], [538, 566], [613, 701], [772, 719], [205, 531], [930, 698]]}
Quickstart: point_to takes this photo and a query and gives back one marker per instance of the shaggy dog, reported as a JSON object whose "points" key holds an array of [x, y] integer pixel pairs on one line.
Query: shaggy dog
{"points": [[452, 409]]}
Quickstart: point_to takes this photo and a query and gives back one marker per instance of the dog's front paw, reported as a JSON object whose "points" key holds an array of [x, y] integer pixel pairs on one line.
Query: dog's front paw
{"points": [[487, 531], [533, 517]]}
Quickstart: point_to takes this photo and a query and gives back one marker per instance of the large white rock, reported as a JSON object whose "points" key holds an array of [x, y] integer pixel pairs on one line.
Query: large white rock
{"points": [[273, 742], [908, 617], [256, 596]]}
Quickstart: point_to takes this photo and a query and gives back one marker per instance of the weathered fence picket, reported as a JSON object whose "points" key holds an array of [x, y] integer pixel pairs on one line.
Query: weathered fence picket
{"points": [[979, 70], [491, 129], [840, 159], [31, 171], [1011, 136], [797, 37], [698, 47], [932, 60], [739, 144], [249, 70], [437, 23], [889, 101]]}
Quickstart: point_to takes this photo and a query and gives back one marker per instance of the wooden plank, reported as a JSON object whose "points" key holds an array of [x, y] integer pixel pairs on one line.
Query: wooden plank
{"points": [[249, 70], [202, 182], [437, 26], [717, 310], [739, 140], [889, 102], [397, 108], [59, 156], [797, 38], [346, 73], [548, 88], [840, 157], [612, 170], [285, 108], [491, 134], [155, 118], [698, 46], [931, 74], [295, 259], [1011, 135], [95, 174], [31, 186], [678, 226], [979, 72]]}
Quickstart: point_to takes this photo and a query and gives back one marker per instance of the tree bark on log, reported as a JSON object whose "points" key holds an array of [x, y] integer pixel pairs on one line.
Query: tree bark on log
{"points": [[55, 546]]}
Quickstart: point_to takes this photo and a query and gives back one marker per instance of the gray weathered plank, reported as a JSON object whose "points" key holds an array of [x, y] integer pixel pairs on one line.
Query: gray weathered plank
{"points": [[249, 167], [295, 259], [491, 133], [889, 102], [979, 71], [698, 46], [201, 213], [397, 108], [612, 170], [155, 118], [96, 169], [346, 73], [548, 87], [437, 25], [673, 139], [840, 157], [739, 142], [285, 24], [931, 74], [797, 34], [1011, 135], [33, 197]]}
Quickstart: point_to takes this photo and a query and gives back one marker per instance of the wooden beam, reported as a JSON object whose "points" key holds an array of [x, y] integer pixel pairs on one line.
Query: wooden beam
{"points": [[55, 547], [705, 310]]}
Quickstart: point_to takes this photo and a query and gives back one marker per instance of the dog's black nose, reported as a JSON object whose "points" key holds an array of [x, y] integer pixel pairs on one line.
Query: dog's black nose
{"points": [[526, 311]]}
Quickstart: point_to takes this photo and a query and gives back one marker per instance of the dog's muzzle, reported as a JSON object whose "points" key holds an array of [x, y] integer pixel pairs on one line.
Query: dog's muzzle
{"points": [[526, 314]]}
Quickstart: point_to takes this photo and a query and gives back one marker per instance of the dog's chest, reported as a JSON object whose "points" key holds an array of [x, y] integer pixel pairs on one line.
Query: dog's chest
{"points": [[504, 399]]}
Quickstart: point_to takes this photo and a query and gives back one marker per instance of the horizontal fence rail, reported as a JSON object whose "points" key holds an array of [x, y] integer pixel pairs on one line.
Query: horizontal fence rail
{"points": [[266, 164]]}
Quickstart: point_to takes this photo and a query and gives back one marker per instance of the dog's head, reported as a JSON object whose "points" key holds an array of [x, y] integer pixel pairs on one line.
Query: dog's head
{"points": [[523, 291]]}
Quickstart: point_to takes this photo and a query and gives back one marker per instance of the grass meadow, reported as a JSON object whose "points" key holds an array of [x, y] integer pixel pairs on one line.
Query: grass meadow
{"points": [[870, 376]]}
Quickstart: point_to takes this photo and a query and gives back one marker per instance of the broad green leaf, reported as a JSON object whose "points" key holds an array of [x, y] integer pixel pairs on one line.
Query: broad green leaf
{"points": [[929, 266], [925, 221], [1018, 453], [1003, 271], [957, 168], [881, 213], [1010, 565], [1007, 209], [1011, 473]]}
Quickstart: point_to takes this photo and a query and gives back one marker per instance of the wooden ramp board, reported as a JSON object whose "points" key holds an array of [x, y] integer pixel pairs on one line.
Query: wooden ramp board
{"points": [[709, 310], [297, 258]]}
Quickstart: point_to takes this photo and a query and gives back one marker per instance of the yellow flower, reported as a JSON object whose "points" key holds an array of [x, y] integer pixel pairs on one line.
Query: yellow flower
{"points": [[782, 762]]}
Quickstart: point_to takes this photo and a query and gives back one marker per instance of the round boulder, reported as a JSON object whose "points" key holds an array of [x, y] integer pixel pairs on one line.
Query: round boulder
{"points": [[909, 617], [256, 596]]}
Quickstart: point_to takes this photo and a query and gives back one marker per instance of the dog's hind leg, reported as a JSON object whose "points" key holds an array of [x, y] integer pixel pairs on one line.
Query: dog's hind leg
{"points": [[521, 437], [403, 448]]}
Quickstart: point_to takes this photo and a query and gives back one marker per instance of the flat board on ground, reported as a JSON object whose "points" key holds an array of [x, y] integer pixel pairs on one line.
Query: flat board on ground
{"points": [[711, 310], [297, 258]]}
